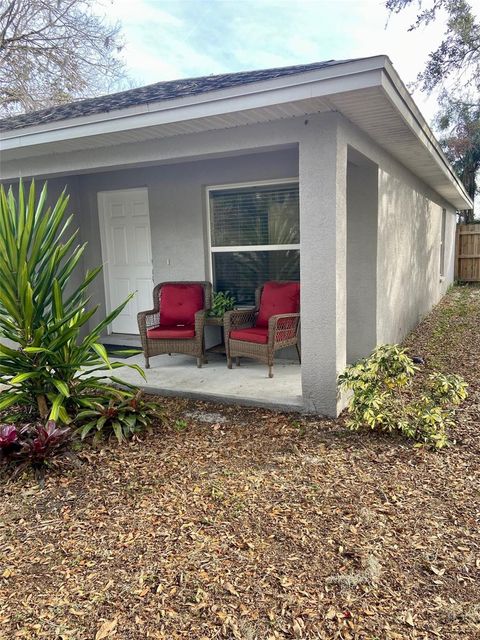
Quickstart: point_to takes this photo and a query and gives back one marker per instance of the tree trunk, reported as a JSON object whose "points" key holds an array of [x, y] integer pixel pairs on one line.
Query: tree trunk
{"points": [[467, 216], [42, 406], [469, 180]]}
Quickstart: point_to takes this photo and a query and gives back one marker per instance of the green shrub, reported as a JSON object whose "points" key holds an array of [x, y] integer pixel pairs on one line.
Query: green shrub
{"points": [[221, 303], [180, 424], [383, 397], [119, 412], [43, 314]]}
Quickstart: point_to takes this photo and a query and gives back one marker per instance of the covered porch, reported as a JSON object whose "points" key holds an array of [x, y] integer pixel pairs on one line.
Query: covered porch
{"points": [[318, 185], [176, 375], [304, 189]]}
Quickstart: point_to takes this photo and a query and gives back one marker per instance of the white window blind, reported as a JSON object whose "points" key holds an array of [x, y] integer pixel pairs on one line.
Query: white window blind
{"points": [[255, 237]]}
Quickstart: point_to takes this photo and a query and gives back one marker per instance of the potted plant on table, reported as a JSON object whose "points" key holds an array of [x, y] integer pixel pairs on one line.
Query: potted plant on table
{"points": [[222, 302]]}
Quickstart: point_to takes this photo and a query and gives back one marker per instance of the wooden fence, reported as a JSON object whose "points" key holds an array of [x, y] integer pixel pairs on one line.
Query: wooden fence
{"points": [[467, 253]]}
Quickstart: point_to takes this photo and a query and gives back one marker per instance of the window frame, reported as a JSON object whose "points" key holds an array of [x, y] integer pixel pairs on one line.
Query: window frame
{"points": [[236, 186]]}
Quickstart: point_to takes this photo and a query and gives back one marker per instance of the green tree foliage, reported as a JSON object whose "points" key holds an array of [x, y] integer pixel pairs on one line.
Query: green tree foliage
{"points": [[457, 57], [453, 68], [460, 123], [45, 362]]}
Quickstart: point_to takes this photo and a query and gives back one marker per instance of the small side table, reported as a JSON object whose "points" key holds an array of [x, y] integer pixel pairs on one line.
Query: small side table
{"points": [[217, 321]]}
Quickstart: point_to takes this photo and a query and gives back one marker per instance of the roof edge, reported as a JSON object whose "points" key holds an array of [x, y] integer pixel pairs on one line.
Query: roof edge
{"points": [[346, 68], [323, 82], [424, 131]]}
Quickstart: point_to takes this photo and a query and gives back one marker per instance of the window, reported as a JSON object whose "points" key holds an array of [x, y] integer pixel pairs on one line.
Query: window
{"points": [[442, 243], [254, 237]]}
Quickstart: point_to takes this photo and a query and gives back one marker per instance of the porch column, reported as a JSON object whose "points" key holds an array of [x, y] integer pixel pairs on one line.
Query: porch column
{"points": [[323, 174]]}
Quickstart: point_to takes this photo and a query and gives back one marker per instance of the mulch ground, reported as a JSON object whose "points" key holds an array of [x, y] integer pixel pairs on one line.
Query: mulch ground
{"points": [[249, 524]]}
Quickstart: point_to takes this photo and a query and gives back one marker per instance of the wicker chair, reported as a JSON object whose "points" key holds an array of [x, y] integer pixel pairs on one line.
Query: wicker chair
{"points": [[176, 322], [272, 325]]}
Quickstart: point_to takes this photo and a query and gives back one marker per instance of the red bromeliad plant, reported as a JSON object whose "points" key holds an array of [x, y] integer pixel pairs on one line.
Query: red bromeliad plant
{"points": [[8, 437], [44, 442], [33, 445], [122, 414]]}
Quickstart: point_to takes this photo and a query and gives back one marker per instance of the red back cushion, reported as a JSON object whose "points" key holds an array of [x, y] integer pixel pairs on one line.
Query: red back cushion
{"points": [[179, 303], [278, 297]]}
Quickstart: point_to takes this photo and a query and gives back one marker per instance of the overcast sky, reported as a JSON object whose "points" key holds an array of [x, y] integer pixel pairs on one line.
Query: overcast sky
{"points": [[184, 38]]}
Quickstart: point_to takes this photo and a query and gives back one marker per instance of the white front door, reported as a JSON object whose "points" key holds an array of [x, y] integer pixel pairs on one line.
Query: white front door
{"points": [[126, 253]]}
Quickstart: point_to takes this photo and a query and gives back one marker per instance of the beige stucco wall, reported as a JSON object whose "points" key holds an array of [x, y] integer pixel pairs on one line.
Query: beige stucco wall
{"points": [[408, 242], [362, 223], [408, 269]]}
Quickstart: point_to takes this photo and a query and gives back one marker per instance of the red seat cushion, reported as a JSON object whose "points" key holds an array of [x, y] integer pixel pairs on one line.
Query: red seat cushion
{"points": [[252, 334], [278, 297], [179, 303], [171, 332]]}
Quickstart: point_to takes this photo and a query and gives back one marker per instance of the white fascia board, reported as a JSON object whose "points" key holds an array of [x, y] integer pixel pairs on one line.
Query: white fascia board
{"points": [[404, 104], [348, 76], [376, 71]]}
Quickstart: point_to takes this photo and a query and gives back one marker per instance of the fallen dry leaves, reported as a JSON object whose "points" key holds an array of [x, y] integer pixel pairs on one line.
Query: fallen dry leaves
{"points": [[107, 629], [257, 526]]}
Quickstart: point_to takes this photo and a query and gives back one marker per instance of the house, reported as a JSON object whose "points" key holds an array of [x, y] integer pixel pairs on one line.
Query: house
{"points": [[170, 182]]}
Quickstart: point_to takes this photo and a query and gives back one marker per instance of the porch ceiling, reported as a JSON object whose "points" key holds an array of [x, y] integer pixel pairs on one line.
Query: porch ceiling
{"points": [[368, 92]]}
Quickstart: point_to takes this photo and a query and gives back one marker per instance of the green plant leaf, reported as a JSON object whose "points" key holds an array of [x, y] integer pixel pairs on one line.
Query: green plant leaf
{"points": [[56, 405], [8, 399], [62, 387], [85, 430], [7, 351], [102, 353], [117, 429], [22, 377]]}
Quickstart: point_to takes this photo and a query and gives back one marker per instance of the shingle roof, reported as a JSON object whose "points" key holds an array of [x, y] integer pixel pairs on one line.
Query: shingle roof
{"points": [[155, 93]]}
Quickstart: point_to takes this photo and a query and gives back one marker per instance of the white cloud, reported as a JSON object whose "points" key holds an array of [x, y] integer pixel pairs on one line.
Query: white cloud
{"points": [[167, 39], [156, 42]]}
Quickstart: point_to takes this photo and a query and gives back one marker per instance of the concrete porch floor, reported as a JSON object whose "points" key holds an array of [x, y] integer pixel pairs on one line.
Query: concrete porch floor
{"points": [[249, 384]]}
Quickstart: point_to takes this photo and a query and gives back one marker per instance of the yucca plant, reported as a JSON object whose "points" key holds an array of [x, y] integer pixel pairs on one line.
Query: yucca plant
{"points": [[50, 364]]}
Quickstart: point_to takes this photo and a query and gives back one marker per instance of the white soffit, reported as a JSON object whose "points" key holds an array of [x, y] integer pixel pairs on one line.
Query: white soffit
{"points": [[170, 129], [367, 92]]}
